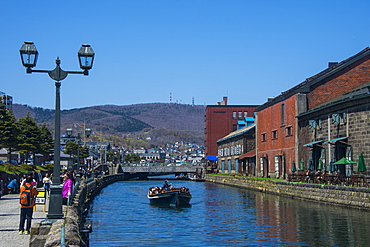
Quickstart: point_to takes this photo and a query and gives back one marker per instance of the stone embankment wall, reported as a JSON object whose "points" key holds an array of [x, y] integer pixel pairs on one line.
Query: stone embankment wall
{"points": [[330, 194], [76, 231]]}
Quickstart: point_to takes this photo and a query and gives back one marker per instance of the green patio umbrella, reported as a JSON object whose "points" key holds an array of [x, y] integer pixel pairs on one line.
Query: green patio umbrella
{"points": [[321, 165], [294, 169], [344, 161], [310, 165], [361, 163], [301, 165]]}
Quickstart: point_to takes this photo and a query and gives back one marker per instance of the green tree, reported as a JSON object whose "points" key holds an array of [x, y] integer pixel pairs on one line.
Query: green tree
{"points": [[84, 152], [29, 137], [47, 142], [71, 148], [132, 158], [8, 130]]}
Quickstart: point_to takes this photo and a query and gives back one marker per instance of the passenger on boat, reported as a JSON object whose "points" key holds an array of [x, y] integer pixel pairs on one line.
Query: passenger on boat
{"points": [[185, 190]]}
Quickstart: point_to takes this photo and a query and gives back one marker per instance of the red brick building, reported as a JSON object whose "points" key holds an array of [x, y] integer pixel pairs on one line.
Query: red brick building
{"points": [[222, 119], [278, 136]]}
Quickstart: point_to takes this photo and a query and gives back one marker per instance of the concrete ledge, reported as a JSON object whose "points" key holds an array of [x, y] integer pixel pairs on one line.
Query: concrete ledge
{"points": [[338, 195]]}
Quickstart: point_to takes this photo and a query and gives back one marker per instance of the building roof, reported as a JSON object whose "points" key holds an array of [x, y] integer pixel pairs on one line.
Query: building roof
{"points": [[362, 91], [250, 154], [237, 133], [304, 87], [232, 105]]}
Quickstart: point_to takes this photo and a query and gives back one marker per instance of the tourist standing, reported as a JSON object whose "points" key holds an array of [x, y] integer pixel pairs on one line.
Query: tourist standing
{"points": [[28, 192], [67, 188]]}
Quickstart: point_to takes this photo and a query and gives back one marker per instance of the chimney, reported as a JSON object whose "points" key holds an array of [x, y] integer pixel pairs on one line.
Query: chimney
{"points": [[225, 100], [332, 64]]}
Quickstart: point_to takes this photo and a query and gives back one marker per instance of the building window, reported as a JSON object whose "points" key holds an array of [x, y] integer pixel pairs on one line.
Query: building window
{"points": [[289, 131], [274, 134], [276, 159], [245, 114], [234, 114], [263, 137], [335, 118], [312, 124], [282, 113], [240, 114], [235, 127]]}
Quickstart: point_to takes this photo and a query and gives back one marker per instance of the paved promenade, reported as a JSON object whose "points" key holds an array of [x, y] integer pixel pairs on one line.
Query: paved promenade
{"points": [[9, 221]]}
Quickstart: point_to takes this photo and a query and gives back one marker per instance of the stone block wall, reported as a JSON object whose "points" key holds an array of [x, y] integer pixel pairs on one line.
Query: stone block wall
{"points": [[48, 232], [337, 195]]}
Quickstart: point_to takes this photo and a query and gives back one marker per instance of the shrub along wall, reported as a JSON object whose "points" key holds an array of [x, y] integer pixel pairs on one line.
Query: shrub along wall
{"points": [[338, 195]]}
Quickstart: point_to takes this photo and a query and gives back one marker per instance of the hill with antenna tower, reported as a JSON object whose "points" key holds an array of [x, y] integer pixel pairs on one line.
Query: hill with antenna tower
{"points": [[157, 123]]}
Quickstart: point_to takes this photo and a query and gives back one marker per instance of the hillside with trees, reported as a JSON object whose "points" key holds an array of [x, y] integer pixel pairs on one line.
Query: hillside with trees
{"points": [[155, 123]]}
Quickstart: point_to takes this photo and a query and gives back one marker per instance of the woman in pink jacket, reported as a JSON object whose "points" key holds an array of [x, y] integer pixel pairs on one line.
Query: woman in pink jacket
{"points": [[67, 188]]}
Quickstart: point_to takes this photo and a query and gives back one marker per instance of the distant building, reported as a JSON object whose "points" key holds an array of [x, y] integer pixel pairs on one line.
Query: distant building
{"points": [[6, 99], [139, 151], [221, 120], [236, 152], [153, 156]]}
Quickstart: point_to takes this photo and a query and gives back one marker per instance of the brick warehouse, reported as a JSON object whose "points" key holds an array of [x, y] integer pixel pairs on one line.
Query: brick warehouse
{"points": [[338, 129], [278, 138], [222, 119]]}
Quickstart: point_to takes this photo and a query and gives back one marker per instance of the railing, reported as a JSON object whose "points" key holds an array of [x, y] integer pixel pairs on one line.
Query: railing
{"points": [[357, 180], [165, 164], [161, 167]]}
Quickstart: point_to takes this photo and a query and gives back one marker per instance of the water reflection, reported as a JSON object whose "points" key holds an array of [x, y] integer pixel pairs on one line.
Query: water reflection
{"points": [[310, 223], [221, 216]]}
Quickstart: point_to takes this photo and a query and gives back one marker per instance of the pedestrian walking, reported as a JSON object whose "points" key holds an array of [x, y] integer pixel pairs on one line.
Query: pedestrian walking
{"points": [[28, 192], [47, 182]]}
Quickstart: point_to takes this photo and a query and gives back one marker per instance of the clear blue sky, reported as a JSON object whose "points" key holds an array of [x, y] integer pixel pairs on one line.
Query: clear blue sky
{"points": [[206, 49]]}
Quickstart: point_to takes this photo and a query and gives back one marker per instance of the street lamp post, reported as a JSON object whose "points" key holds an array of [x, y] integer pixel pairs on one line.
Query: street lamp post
{"points": [[77, 139], [29, 55]]}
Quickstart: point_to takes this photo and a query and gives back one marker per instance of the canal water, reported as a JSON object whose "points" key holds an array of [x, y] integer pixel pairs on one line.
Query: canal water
{"points": [[220, 216]]}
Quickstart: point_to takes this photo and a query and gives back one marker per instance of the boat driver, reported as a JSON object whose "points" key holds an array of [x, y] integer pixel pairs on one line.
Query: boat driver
{"points": [[166, 186]]}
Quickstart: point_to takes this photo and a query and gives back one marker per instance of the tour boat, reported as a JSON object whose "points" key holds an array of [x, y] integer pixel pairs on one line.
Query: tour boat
{"points": [[176, 197]]}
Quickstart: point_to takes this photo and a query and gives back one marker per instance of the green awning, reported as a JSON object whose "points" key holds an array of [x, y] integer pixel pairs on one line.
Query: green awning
{"points": [[312, 143], [337, 139]]}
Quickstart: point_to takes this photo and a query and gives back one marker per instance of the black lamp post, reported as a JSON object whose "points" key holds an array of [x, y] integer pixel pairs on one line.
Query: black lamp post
{"points": [[77, 139], [29, 55]]}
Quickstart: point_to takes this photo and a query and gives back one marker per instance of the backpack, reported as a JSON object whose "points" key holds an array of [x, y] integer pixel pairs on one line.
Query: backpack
{"points": [[25, 197]]}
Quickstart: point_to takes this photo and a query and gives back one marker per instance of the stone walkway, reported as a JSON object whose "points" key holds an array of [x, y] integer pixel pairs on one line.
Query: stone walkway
{"points": [[9, 221]]}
